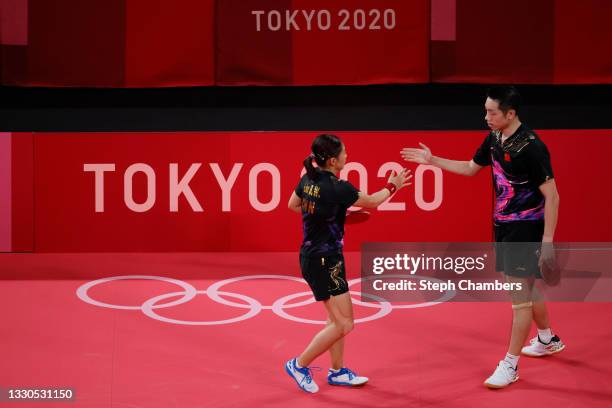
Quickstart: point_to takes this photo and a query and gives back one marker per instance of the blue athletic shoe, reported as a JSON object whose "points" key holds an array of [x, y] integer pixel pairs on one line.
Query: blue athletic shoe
{"points": [[345, 377], [302, 376]]}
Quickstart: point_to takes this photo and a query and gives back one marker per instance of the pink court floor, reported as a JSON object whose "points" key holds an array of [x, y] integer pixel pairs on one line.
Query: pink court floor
{"points": [[215, 329]]}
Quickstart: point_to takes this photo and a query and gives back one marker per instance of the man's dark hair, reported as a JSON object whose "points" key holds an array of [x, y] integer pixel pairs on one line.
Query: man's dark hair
{"points": [[507, 96]]}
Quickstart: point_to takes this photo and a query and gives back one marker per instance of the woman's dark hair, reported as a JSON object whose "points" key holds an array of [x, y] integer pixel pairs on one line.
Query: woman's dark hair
{"points": [[507, 96], [323, 147]]}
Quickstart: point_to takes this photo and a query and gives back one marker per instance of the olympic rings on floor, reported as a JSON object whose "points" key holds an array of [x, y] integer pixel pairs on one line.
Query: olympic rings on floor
{"points": [[253, 305]]}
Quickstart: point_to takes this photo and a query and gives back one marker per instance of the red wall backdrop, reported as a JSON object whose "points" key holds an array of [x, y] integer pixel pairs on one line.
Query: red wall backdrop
{"points": [[259, 171], [544, 41], [16, 192], [157, 43], [321, 42], [108, 43]]}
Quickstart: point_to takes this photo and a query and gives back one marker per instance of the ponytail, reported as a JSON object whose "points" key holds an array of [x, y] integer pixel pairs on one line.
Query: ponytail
{"points": [[310, 169]]}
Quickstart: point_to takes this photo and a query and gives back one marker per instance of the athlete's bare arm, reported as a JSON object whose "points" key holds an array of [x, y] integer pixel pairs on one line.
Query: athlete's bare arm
{"points": [[295, 203], [400, 180], [424, 156]]}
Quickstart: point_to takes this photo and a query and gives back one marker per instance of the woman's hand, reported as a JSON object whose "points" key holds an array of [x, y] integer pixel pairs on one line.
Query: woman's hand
{"points": [[402, 179]]}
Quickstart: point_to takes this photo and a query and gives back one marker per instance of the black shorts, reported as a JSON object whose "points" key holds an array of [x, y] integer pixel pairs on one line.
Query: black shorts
{"points": [[517, 247], [325, 275]]}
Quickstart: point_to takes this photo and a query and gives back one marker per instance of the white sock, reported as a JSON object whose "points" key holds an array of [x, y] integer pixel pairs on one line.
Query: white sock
{"points": [[512, 359], [333, 370], [297, 365], [545, 335]]}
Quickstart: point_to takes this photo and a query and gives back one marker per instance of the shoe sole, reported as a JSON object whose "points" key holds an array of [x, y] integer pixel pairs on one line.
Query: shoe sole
{"points": [[497, 387], [545, 354], [288, 371], [347, 384]]}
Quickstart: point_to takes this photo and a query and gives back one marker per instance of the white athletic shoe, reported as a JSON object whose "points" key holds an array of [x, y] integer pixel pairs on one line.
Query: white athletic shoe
{"points": [[346, 377], [537, 348], [503, 376], [302, 376]]}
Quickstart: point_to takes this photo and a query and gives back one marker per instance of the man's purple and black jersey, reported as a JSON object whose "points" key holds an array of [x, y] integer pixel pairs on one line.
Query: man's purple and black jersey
{"points": [[324, 204], [519, 166]]}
